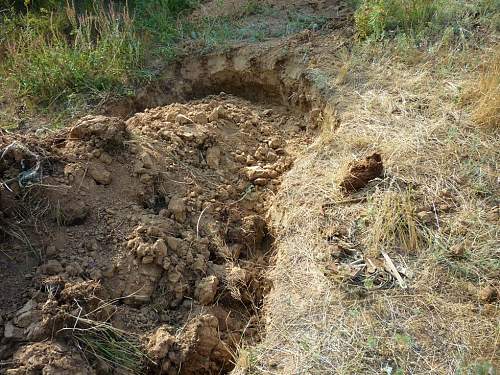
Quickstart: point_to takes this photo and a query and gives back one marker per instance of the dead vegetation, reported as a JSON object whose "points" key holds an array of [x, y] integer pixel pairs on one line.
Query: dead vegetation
{"points": [[484, 95], [434, 214]]}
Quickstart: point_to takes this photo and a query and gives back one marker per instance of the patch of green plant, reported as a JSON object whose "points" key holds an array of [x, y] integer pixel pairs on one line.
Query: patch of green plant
{"points": [[112, 346], [90, 55], [423, 19]]}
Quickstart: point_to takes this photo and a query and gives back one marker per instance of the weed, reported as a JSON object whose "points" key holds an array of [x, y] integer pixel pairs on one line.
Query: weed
{"points": [[99, 58], [423, 19], [111, 345]]}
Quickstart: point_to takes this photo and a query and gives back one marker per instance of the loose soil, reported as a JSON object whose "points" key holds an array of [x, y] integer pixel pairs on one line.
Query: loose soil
{"points": [[155, 225]]}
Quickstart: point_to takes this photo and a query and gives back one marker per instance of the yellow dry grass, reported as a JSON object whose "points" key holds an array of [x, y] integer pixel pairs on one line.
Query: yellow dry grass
{"points": [[485, 95], [435, 161]]}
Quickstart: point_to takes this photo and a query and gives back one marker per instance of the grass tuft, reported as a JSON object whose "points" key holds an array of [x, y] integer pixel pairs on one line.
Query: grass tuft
{"points": [[119, 349], [393, 224], [485, 95]]}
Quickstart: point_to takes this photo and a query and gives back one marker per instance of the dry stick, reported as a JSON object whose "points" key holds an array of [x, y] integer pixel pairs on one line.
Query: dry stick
{"points": [[394, 271], [198, 222]]}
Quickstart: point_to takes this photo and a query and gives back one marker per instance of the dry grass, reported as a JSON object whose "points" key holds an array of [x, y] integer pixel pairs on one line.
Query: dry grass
{"points": [[443, 164], [485, 95]]}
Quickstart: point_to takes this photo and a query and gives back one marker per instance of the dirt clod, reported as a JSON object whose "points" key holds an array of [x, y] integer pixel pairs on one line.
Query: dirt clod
{"points": [[360, 173], [488, 294]]}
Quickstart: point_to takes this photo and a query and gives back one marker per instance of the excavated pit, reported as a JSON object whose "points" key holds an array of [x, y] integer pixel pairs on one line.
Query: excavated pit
{"points": [[155, 225]]}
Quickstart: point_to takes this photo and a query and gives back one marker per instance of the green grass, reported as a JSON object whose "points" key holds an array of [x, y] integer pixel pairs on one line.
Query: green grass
{"points": [[112, 346], [65, 58], [424, 20]]}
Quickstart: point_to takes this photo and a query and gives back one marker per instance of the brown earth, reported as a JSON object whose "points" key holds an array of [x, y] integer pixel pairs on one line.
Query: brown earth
{"points": [[154, 225]]}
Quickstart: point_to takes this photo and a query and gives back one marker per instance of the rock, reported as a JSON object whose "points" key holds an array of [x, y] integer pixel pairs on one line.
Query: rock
{"points": [[160, 343], [159, 248], [174, 243], [52, 267], [213, 157], [51, 251], [111, 131], [27, 318], [426, 217], [261, 153], [12, 332], [275, 142], [147, 160], [457, 250], [200, 118], [100, 174], [260, 181], [255, 172], [206, 290], [183, 120], [178, 208], [106, 158], [216, 114], [28, 306], [488, 294]]}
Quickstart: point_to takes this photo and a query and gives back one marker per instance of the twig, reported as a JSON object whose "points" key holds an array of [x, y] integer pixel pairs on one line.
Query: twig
{"points": [[198, 222], [392, 269]]}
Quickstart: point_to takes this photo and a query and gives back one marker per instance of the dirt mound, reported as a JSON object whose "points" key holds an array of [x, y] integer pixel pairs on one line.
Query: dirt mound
{"points": [[153, 222]]}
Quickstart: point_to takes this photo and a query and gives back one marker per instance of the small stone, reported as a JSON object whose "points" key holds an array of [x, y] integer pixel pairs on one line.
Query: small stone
{"points": [[52, 267], [425, 217], [25, 319], [51, 251], [457, 250], [255, 172], [147, 161], [12, 332], [206, 290], [275, 143], [106, 158], [28, 306], [217, 113], [100, 174], [200, 118], [183, 120], [260, 181], [160, 248], [178, 208], [174, 243]]}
